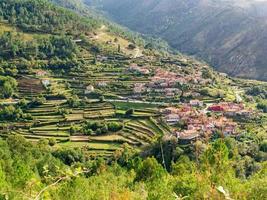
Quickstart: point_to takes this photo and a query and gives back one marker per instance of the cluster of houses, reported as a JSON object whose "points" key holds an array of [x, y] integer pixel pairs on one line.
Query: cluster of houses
{"points": [[41, 73], [165, 82], [137, 69], [197, 123], [230, 109]]}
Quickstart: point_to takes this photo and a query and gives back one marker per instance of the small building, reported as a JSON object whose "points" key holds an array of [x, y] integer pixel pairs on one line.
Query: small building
{"points": [[89, 89], [216, 108], [187, 136], [41, 73], [77, 40], [229, 129], [172, 119], [169, 110], [46, 82], [196, 103], [245, 113], [102, 84]]}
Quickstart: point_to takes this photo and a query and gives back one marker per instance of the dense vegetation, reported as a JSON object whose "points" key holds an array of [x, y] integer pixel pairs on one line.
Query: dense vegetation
{"points": [[35, 171], [201, 28], [8, 86], [40, 16], [70, 129], [12, 46]]}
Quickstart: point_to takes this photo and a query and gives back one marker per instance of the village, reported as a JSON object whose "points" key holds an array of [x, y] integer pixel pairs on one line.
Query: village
{"points": [[194, 120], [190, 120], [167, 83]]}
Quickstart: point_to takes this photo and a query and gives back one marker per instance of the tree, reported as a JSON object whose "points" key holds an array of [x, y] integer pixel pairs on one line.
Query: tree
{"points": [[8, 86], [263, 146], [149, 170], [183, 87], [114, 126], [129, 112], [131, 46], [52, 141]]}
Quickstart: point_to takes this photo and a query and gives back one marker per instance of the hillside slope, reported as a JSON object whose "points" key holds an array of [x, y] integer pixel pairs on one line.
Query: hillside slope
{"points": [[230, 35], [86, 113]]}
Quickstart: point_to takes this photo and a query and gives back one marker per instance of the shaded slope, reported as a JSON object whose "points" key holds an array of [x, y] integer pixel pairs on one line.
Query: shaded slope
{"points": [[230, 35]]}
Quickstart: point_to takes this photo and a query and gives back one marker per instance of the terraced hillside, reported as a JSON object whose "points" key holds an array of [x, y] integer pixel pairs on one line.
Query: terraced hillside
{"points": [[202, 28], [97, 90]]}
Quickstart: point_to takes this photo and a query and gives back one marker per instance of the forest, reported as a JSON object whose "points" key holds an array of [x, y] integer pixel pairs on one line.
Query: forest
{"points": [[84, 109], [28, 170]]}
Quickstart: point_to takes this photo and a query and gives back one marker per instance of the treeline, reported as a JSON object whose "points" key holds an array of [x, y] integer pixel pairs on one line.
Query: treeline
{"points": [[13, 46], [37, 170], [42, 16], [8, 86]]}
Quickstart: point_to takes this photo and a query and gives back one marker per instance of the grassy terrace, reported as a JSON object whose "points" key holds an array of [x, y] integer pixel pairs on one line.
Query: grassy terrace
{"points": [[115, 83], [142, 127], [47, 123]]}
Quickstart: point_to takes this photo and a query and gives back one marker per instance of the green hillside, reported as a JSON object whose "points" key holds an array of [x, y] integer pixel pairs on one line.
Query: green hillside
{"points": [[91, 111], [230, 35]]}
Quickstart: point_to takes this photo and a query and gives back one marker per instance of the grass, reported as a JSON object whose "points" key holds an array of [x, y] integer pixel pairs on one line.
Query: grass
{"points": [[5, 27], [96, 146], [129, 105]]}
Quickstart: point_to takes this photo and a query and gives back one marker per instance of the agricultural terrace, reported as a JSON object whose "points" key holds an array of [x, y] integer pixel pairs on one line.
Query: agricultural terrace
{"points": [[109, 94]]}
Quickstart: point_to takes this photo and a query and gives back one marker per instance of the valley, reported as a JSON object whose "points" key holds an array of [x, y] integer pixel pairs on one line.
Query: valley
{"points": [[89, 110], [201, 28]]}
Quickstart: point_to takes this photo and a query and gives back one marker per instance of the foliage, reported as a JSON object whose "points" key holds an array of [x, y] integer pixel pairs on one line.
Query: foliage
{"points": [[8, 86], [101, 128], [41, 16], [13, 113], [26, 169], [13, 46]]}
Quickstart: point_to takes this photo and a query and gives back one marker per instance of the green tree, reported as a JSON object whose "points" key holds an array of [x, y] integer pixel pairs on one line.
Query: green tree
{"points": [[149, 170]]}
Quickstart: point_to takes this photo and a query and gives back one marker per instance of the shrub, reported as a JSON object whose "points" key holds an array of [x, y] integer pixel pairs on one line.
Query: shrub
{"points": [[8, 86], [263, 106], [88, 131], [263, 146], [131, 46], [37, 101], [74, 130], [10, 113], [104, 129], [52, 141], [114, 126], [74, 101], [129, 112]]}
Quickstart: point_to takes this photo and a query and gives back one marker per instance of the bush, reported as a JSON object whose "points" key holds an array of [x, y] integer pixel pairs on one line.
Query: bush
{"points": [[114, 126], [73, 101], [98, 131], [52, 141], [104, 129], [263, 106], [74, 130], [37, 101], [8, 86], [263, 146], [63, 111], [10, 113], [88, 131], [131, 46], [129, 112]]}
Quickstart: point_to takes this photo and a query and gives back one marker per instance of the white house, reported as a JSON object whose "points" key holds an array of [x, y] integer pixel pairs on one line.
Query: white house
{"points": [[196, 103], [172, 119], [89, 89], [46, 82]]}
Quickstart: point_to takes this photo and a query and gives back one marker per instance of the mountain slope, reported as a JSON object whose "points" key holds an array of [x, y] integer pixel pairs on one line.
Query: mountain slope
{"points": [[230, 35]]}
